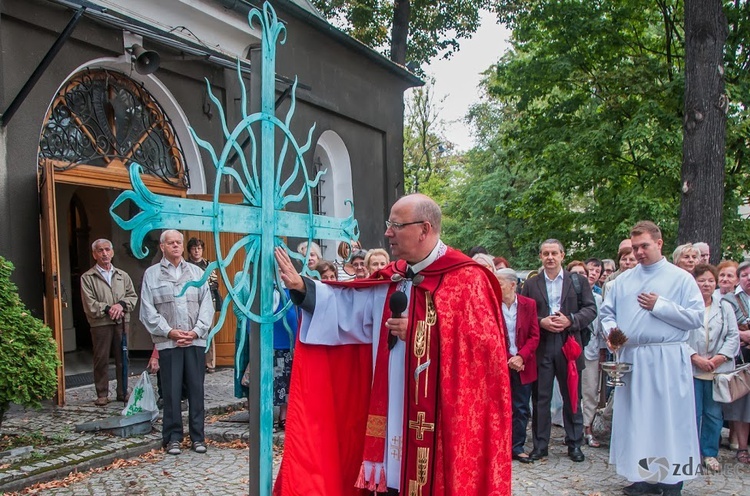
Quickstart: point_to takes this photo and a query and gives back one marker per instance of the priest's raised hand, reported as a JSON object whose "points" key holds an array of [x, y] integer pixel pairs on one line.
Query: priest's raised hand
{"points": [[288, 272]]}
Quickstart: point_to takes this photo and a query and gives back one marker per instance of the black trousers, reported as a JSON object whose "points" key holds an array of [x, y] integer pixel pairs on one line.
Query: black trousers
{"points": [[182, 365], [520, 394], [551, 364], [159, 388]]}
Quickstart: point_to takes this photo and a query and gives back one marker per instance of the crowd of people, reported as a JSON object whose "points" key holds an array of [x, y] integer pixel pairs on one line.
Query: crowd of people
{"points": [[683, 321], [352, 262]]}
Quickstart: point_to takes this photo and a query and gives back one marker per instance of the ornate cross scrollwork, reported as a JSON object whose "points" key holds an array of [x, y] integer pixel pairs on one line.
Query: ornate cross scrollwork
{"points": [[277, 204]]}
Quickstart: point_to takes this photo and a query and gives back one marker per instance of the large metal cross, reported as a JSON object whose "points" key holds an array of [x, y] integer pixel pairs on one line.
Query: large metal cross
{"points": [[261, 218]]}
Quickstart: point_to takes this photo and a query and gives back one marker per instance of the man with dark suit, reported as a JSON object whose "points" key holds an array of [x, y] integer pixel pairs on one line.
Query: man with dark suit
{"points": [[519, 313], [561, 312]]}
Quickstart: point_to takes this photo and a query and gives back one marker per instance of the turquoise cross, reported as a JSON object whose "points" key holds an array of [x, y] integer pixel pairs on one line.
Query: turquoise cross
{"points": [[261, 217]]}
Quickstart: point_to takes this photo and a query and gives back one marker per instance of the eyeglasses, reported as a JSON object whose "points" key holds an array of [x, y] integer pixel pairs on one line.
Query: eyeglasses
{"points": [[397, 226]]}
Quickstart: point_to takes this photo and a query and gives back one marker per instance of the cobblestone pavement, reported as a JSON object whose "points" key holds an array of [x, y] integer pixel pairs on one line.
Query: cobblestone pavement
{"points": [[225, 471], [221, 471], [558, 475], [83, 450]]}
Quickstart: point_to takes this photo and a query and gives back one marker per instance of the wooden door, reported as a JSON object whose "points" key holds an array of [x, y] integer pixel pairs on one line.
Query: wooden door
{"points": [[225, 338], [51, 266]]}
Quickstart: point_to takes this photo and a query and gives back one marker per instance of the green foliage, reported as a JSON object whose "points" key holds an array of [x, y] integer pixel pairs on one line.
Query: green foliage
{"points": [[581, 133], [28, 354], [434, 27], [427, 152]]}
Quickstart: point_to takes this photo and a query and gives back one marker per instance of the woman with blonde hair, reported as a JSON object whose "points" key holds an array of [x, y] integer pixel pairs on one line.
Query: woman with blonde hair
{"points": [[686, 257], [485, 260], [316, 255], [376, 259]]}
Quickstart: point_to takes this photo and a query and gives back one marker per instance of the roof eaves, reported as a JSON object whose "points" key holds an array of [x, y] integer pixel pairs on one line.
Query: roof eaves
{"points": [[305, 11]]}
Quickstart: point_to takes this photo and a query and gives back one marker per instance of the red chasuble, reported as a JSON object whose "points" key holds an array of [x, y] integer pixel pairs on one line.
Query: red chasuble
{"points": [[457, 408]]}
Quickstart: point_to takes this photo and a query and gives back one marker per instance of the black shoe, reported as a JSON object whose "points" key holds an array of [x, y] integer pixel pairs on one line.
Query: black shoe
{"points": [[523, 458], [639, 488], [575, 454], [538, 455]]}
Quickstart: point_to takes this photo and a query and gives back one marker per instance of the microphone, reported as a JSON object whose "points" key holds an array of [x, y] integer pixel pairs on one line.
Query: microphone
{"points": [[397, 304]]}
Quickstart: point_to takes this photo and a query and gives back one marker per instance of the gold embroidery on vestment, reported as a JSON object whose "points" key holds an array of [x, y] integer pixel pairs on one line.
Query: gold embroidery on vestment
{"points": [[422, 337], [376, 425], [421, 426], [413, 488], [423, 459]]}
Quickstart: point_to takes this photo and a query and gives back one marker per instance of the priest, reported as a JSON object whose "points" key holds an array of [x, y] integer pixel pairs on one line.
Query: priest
{"points": [[656, 304], [400, 382]]}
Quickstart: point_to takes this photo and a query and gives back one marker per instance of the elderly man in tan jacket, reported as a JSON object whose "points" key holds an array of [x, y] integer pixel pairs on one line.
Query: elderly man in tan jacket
{"points": [[108, 299]]}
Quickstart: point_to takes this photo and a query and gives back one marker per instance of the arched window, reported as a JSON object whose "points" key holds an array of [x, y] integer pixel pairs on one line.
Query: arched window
{"points": [[102, 118], [335, 186]]}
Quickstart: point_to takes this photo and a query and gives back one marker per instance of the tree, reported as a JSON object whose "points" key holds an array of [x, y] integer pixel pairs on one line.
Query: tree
{"points": [[735, 238], [590, 103], [28, 354], [704, 129], [586, 112], [426, 150], [489, 206], [414, 30]]}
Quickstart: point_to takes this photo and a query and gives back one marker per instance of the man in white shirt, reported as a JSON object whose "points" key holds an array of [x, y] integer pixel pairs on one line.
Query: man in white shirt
{"points": [[564, 309], [178, 325]]}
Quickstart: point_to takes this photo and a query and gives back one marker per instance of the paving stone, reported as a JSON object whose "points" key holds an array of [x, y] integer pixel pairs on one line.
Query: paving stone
{"points": [[224, 471]]}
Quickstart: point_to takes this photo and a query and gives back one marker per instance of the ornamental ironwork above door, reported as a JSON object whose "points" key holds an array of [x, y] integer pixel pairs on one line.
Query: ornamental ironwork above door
{"points": [[101, 118]]}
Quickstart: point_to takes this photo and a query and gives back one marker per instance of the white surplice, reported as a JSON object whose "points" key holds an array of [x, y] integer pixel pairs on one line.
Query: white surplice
{"points": [[354, 316], [654, 433]]}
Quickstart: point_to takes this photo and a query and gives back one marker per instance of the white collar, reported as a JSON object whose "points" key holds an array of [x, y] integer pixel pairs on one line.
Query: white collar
{"points": [[434, 254]]}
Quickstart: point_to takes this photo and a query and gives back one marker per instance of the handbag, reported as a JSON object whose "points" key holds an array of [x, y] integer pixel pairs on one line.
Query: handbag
{"points": [[731, 386]]}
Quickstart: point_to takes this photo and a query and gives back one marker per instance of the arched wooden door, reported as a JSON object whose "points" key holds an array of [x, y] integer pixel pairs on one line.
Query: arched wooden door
{"points": [[99, 123]]}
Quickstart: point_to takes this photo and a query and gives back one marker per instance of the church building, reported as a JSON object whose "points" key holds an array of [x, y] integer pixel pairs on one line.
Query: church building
{"points": [[90, 87]]}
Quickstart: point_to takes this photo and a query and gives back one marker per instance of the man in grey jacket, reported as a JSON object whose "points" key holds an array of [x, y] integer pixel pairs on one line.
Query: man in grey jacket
{"points": [[108, 299], [178, 326]]}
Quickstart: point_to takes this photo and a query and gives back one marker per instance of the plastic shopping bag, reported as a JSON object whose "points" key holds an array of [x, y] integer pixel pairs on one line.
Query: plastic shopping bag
{"points": [[142, 399]]}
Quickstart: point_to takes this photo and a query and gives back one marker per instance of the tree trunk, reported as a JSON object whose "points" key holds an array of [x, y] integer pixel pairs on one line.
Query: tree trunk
{"points": [[400, 30], [704, 126]]}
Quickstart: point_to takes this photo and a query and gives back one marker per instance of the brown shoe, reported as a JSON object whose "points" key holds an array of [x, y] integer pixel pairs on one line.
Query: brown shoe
{"points": [[101, 401], [124, 399]]}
